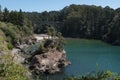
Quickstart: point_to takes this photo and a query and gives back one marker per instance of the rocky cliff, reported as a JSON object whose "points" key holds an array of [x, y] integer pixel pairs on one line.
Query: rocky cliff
{"points": [[49, 62]]}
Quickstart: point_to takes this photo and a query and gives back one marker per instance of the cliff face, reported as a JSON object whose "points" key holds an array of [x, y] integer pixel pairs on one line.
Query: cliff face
{"points": [[49, 58], [49, 62]]}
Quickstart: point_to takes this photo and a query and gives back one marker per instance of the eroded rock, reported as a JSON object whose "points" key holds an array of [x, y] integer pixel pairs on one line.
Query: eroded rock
{"points": [[49, 63]]}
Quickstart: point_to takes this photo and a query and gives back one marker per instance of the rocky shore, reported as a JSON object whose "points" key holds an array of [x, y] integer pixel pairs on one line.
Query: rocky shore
{"points": [[49, 62]]}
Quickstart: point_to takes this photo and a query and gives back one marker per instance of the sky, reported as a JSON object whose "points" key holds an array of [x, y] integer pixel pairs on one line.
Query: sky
{"points": [[48, 5]]}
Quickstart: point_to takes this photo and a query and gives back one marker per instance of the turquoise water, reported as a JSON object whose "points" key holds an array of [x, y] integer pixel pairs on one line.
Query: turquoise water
{"points": [[86, 54]]}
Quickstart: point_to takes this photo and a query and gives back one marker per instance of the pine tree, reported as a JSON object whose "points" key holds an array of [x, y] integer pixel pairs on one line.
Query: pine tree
{"points": [[21, 18], [5, 14], [1, 16]]}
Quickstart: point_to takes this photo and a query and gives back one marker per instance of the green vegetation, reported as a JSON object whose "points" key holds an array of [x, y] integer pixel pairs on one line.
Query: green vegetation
{"points": [[11, 70], [3, 43], [20, 21], [13, 33], [10, 46], [55, 39], [81, 21], [14, 27], [106, 75]]}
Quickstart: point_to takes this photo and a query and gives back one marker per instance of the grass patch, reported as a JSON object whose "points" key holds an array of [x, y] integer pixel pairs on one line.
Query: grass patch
{"points": [[11, 70]]}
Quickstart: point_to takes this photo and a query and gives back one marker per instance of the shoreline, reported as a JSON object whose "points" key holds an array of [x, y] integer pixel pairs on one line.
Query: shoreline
{"points": [[112, 44]]}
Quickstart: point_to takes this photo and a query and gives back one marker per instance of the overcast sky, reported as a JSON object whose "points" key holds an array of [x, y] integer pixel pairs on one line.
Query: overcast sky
{"points": [[48, 5]]}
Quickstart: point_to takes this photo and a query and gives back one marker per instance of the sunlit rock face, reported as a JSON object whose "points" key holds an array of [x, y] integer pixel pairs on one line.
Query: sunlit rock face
{"points": [[49, 62]]}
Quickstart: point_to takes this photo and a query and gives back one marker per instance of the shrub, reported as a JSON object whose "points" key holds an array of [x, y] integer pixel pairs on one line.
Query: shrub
{"points": [[42, 49], [10, 34], [10, 46], [49, 43], [10, 70], [101, 75], [3, 44]]}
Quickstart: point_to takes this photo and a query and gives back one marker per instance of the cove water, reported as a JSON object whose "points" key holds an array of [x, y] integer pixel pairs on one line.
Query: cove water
{"points": [[87, 56]]}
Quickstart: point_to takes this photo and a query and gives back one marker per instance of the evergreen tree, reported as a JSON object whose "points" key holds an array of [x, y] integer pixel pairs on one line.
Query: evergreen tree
{"points": [[1, 14], [20, 18], [5, 15]]}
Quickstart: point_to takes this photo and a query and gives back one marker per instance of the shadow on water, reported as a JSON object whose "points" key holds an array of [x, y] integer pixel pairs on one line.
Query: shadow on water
{"points": [[58, 76]]}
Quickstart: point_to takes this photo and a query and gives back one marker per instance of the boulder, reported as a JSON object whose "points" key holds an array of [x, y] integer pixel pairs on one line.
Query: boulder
{"points": [[49, 62], [16, 56]]}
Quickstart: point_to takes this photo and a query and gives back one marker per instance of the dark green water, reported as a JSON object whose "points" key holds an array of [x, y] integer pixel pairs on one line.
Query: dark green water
{"points": [[86, 54]]}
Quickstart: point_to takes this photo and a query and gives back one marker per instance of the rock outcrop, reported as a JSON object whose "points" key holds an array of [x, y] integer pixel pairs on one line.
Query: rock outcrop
{"points": [[17, 56], [49, 62]]}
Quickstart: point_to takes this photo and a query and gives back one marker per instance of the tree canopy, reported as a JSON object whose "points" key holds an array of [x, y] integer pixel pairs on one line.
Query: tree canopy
{"points": [[82, 21]]}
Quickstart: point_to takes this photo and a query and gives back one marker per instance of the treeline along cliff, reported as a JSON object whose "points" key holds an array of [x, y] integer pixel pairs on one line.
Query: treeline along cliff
{"points": [[81, 21]]}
